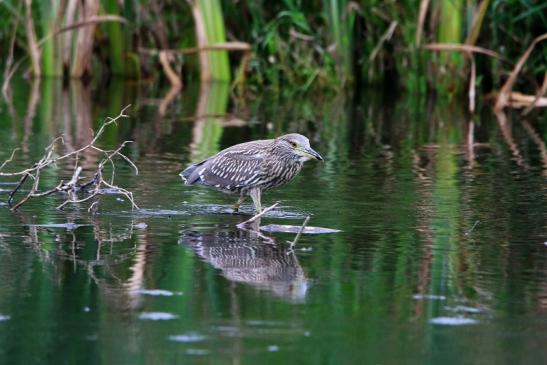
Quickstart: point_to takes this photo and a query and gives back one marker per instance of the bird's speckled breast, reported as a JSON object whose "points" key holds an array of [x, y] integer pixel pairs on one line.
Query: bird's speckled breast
{"points": [[280, 173]]}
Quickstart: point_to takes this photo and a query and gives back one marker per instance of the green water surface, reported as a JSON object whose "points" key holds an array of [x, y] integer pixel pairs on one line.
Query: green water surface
{"points": [[442, 258]]}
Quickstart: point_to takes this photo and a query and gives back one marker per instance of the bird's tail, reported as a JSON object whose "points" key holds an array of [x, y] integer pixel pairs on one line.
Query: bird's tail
{"points": [[186, 173], [189, 175]]}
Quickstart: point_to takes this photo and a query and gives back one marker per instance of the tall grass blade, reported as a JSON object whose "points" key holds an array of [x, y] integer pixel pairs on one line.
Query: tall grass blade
{"points": [[115, 40], [213, 26]]}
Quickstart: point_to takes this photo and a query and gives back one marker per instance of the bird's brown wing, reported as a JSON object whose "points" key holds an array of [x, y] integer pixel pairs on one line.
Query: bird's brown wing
{"points": [[231, 169]]}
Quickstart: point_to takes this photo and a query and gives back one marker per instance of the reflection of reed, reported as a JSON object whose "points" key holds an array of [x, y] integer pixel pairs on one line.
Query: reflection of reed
{"points": [[244, 258], [471, 143], [539, 142], [31, 112], [81, 101], [424, 170], [505, 128], [74, 112], [136, 281]]}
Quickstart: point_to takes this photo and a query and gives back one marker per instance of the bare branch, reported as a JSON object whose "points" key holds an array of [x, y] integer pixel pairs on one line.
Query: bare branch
{"points": [[10, 158], [505, 91], [72, 188]]}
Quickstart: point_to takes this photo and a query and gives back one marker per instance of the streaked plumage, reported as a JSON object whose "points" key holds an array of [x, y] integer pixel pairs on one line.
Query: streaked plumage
{"points": [[253, 167], [244, 258]]}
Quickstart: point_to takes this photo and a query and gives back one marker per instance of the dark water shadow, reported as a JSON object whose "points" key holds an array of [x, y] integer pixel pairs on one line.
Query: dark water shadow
{"points": [[248, 257]]}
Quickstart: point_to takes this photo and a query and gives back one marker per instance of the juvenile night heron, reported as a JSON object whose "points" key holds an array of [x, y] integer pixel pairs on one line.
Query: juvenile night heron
{"points": [[250, 168]]}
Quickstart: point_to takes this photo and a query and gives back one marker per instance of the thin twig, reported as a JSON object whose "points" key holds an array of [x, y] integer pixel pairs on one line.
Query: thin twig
{"points": [[254, 218], [472, 228], [14, 191], [93, 207], [462, 48], [225, 46], [385, 37], [10, 158], [89, 21], [293, 243]]}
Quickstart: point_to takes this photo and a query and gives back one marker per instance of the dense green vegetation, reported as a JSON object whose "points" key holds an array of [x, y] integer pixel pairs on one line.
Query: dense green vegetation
{"points": [[442, 212], [296, 45]]}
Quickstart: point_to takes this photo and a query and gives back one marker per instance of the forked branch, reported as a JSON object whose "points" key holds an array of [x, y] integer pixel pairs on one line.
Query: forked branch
{"points": [[75, 191]]}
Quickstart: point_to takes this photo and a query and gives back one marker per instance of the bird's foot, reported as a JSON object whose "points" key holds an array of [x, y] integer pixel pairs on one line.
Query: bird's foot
{"points": [[238, 204]]}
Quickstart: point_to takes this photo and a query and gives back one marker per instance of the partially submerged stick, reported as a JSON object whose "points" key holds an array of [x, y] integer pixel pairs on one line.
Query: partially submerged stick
{"points": [[255, 217], [293, 243]]}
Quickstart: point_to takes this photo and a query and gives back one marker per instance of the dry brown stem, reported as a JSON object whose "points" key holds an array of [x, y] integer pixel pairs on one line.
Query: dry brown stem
{"points": [[172, 76], [83, 51], [34, 50], [93, 20], [385, 37], [461, 48], [72, 188], [225, 46], [424, 5], [478, 19], [519, 100], [505, 92], [539, 97]]}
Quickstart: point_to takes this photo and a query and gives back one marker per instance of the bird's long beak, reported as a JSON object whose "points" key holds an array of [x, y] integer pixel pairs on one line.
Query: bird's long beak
{"points": [[313, 154]]}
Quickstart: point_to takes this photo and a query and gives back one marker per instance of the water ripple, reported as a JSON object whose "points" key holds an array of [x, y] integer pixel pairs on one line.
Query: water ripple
{"points": [[453, 321], [158, 316]]}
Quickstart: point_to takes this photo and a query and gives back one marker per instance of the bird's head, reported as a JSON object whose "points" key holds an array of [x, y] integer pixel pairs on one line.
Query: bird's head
{"points": [[299, 146]]}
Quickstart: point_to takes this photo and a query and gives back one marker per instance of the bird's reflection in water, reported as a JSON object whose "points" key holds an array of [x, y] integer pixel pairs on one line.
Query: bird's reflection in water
{"points": [[249, 257]]}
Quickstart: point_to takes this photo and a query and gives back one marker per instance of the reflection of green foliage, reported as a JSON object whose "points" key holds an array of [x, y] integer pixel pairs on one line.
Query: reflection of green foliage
{"points": [[47, 104], [215, 104], [444, 226]]}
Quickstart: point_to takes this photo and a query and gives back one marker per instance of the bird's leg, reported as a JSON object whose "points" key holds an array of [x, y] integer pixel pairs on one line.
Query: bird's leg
{"points": [[238, 203], [255, 195]]}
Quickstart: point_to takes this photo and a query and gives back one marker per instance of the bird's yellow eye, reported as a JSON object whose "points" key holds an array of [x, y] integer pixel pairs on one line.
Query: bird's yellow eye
{"points": [[294, 144]]}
